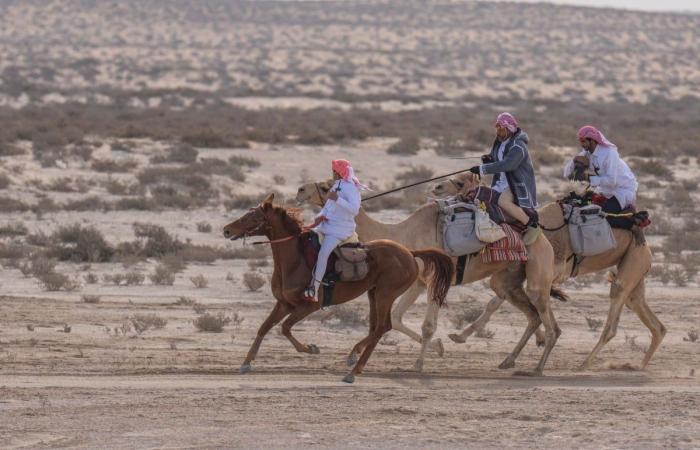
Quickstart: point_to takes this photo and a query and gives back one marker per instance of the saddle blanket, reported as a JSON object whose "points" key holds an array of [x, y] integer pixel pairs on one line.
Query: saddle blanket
{"points": [[510, 248]]}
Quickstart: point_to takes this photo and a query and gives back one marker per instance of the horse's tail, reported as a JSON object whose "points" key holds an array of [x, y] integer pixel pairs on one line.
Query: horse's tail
{"points": [[559, 294], [439, 265]]}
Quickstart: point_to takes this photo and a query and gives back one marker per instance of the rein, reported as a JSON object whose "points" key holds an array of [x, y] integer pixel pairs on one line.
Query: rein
{"points": [[288, 238]]}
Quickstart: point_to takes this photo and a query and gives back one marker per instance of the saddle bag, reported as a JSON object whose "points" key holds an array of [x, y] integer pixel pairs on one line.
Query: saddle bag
{"points": [[589, 231], [351, 264], [457, 227]]}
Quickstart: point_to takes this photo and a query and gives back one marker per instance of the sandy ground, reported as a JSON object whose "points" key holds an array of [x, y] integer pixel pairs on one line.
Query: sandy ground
{"points": [[175, 387], [178, 388]]}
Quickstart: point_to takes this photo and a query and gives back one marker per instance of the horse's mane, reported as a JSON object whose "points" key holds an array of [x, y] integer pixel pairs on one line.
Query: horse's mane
{"points": [[291, 218]]}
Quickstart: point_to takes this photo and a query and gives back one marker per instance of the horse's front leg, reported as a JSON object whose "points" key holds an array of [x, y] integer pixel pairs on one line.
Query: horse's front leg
{"points": [[278, 313]]}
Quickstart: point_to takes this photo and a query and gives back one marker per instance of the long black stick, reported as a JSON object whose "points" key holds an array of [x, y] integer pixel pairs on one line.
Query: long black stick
{"points": [[414, 184]]}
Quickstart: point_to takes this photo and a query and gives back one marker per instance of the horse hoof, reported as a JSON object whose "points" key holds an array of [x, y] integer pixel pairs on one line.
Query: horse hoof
{"points": [[352, 360], [419, 365], [507, 364], [540, 343], [313, 349], [440, 347], [457, 338], [349, 378], [245, 368]]}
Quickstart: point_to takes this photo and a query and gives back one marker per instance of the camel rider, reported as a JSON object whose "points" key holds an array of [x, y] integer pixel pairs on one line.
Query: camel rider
{"points": [[609, 175], [513, 175], [336, 221]]}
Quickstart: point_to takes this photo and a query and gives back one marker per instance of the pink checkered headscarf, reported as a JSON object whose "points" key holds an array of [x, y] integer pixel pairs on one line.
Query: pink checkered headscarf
{"points": [[343, 168], [506, 120], [591, 132]]}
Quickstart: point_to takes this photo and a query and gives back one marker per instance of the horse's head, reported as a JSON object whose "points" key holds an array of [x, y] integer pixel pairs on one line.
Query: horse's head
{"points": [[314, 193], [460, 184], [253, 223]]}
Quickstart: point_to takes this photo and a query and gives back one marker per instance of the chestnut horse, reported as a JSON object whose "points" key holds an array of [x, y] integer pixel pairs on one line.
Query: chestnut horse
{"points": [[392, 270]]}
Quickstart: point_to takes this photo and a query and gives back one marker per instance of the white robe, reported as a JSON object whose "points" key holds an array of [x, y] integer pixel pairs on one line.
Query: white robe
{"points": [[610, 175], [340, 214]]}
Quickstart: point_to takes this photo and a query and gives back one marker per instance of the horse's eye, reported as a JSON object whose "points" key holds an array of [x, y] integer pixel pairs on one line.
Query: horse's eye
{"points": [[325, 189], [460, 184], [301, 189]]}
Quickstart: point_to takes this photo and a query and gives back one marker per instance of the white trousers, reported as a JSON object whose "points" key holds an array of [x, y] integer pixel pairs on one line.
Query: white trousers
{"points": [[329, 243]]}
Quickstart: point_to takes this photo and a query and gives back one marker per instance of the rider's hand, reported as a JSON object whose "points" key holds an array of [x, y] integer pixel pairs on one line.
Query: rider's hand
{"points": [[486, 159], [475, 170], [319, 220], [333, 195]]}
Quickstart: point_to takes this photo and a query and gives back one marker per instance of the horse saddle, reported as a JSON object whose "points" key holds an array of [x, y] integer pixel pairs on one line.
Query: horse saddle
{"points": [[348, 262]]}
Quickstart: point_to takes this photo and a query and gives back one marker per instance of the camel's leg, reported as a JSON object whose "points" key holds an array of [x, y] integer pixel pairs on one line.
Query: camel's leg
{"points": [[520, 300], [405, 301], [638, 303], [551, 328], [298, 314], [631, 271], [427, 329], [479, 323], [382, 325], [278, 312]]}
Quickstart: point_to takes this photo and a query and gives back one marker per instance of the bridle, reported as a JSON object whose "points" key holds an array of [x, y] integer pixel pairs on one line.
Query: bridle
{"points": [[264, 224]]}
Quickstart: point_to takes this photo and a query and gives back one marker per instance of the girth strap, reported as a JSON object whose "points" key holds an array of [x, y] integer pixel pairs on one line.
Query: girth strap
{"points": [[461, 265]]}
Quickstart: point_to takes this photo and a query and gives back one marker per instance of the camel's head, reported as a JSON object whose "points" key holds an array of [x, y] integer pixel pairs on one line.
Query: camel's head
{"points": [[252, 223], [460, 184], [314, 193]]}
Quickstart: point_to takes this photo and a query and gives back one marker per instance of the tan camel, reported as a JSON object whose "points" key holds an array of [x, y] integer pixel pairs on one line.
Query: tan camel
{"points": [[420, 230], [632, 263]]}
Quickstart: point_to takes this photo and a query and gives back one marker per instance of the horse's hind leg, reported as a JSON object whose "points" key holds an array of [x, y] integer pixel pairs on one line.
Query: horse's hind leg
{"points": [[638, 303], [299, 313], [383, 324], [357, 349], [278, 312]]}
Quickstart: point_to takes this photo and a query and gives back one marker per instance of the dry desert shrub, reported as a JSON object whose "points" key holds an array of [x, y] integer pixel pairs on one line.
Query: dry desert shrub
{"points": [[185, 301], [155, 240], [90, 278], [39, 265], [204, 227], [13, 229], [212, 323], [8, 204], [162, 276], [243, 161], [90, 298], [5, 181], [653, 167], [693, 336], [112, 166], [485, 333], [54, 281], [253, 281], [144, 322], [199, 281], [343, 316], [78, 243], [406, 145], [258, 263], [183, 154], [593, 324], [546, 157]]}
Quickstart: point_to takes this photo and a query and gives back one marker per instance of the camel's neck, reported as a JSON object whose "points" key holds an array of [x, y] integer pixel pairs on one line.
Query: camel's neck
{"points": [[419, 222]]}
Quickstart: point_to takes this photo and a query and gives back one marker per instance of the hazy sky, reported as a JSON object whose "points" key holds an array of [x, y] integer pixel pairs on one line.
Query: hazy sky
{"points": [[648, 5]]}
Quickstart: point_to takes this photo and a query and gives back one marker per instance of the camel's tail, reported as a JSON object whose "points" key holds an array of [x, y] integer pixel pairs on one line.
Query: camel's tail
{"points": [[559, 294], [439, 265]]}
